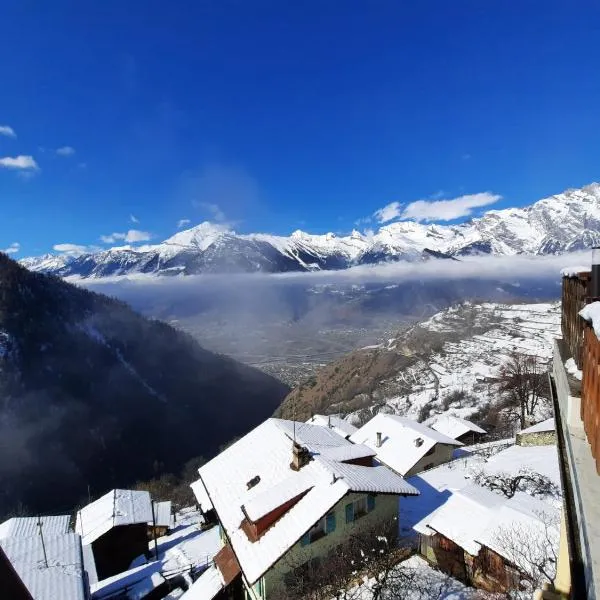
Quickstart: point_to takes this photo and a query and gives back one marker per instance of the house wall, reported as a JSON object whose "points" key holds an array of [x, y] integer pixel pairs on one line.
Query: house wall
{"points": [[541, 438], [442, 453], [442, 552], [114, 551], [385, 512]]}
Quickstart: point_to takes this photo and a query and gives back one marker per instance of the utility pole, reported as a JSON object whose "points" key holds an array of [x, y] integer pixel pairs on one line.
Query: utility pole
{"points": [[42, 538], [154, 529]]}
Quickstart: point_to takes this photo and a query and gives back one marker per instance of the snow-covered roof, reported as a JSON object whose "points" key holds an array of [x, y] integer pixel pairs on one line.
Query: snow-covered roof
{"points": [[403, 441], [591, 313], [27, 526], [118, 507], [473, 517], [454, 427], [547, 425], [111, 586], [339, 425], [254, 473], [62, 578], [206, 587], [201, 495], [463, 516], [162, 514], [521, 519]]}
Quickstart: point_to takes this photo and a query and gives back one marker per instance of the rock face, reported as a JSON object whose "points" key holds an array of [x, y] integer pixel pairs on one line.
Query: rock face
{"points": [[93, 394], [561, 223]]}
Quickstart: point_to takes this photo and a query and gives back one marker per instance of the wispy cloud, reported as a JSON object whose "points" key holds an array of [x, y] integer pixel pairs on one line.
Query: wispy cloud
{"points": [[131, 237], [213, 209], [74, 249], [182, 223], [13, 248], [436, 209], [65, 151], [133, 219], [466, 156], [7, 131], [19, 162]]}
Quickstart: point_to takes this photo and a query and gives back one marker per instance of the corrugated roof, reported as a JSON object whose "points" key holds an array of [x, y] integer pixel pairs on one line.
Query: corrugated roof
{"points": [[162, 514], [266, 452], [118, 507], [339, 425], [111, 586], [454, 427], [201, 496], [28, 526], [400, 447], [62, 578]]}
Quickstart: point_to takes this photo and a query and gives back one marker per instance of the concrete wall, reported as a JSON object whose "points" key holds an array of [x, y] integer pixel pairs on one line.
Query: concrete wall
{"points": [[386, 511], [442, 453], [541, 438]]}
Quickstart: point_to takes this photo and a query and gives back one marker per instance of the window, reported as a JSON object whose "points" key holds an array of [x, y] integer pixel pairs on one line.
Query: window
{"points": [[359, 508], [320, 529]]}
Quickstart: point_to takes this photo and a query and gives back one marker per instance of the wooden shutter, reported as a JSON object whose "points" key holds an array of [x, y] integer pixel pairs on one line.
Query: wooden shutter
{"points": [[370, 502], [305, 539], [350, 512], [330, 523]]}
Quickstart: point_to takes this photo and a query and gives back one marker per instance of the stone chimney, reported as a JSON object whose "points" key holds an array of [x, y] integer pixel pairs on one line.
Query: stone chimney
{"points": [[300, 456], [378, 442]]}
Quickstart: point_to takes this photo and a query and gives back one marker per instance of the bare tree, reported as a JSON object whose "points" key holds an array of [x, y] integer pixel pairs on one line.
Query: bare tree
{"points": [[526, 480], [532, 549], [523, 380]]}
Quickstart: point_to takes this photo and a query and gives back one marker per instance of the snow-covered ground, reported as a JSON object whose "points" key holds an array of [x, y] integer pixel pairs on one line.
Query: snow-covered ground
{"points": [[479, 340]]}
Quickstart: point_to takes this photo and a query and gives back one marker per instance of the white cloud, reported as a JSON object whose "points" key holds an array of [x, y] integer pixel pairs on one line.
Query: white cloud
{"points": [[389, 212], [133, 219], [7, 131], [13, 248], [19, 162], [73, 249], [447, 210], [466, 156], [65, 151], [182, 223], [131, 237]]}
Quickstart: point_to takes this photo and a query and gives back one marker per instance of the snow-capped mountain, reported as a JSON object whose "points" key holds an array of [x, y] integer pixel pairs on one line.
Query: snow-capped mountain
{"points": [[565, 222]]}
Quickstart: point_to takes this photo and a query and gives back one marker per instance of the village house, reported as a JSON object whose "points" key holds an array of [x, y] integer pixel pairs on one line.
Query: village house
{"points": [[288, 493], [116, 528], [459, 429], [487, 540], [335, 422], [404, 445], [540, 434]]}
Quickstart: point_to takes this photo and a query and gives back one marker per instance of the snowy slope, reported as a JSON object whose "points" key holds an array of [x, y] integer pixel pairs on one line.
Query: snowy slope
{"points": [[565, 222]]}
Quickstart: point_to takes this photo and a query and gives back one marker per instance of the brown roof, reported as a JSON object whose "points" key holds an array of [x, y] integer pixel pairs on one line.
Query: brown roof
{"points": [[227, 563]]}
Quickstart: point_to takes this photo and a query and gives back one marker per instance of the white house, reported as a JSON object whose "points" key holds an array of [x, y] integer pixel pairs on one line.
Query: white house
{"points": [[287, 493], [458, 429], [404, 445]]}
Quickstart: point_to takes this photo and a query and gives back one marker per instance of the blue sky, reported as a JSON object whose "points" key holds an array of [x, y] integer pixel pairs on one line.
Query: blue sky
{"points": [[125, 117]]}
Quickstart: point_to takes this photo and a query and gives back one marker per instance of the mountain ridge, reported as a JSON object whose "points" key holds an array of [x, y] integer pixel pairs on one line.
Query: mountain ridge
{"points": [[557, 224]]}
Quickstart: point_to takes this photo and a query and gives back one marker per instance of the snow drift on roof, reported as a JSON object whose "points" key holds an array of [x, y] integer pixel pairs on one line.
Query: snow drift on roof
{"points": [[162, 514], [547, 425], [339, 425], [591, 313], [206, 587], [118, 507], [27, 526]]}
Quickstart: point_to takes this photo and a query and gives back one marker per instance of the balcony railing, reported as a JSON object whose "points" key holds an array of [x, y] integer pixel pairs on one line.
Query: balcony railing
{"points": [[590, 392], [574, 297]]}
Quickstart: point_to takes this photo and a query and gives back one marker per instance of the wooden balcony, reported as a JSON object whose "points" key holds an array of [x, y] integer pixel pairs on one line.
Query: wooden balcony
{"points": [[574, 297], [590, 392]]}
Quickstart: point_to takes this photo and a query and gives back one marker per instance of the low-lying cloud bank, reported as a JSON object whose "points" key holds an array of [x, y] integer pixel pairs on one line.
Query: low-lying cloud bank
{"points": [[506, 268]]}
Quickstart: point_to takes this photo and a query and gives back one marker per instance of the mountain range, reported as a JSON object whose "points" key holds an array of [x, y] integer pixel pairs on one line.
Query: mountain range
{"points": [[561, 223], [93, 395]]}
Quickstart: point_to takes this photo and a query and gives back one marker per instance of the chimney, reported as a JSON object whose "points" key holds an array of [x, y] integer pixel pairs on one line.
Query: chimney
{"points": [[595, 282], [300, 456], [418, 442], [378, 442], [329, 421]]}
